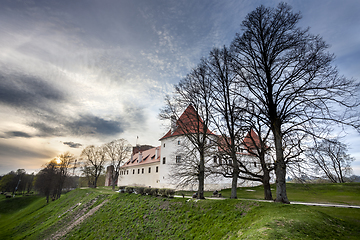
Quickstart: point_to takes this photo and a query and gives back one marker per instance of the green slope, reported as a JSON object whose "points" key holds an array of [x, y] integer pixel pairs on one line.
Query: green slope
{"points": [[130, 216]]}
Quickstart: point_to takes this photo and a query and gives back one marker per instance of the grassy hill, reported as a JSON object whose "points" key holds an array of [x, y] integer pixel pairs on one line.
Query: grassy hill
{"points": [[101, 214]]}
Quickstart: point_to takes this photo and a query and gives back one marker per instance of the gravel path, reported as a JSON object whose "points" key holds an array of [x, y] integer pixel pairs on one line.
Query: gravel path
{"points": [[73, 224]]}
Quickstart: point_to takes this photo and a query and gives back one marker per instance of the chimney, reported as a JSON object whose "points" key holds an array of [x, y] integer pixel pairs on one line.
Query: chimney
{"points": [[156, 153], [140, 157], [132, 157], [173, 124]]}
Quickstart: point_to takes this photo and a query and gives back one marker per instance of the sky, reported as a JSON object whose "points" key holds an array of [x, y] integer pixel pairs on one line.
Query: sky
{"points": [[79, 73]]}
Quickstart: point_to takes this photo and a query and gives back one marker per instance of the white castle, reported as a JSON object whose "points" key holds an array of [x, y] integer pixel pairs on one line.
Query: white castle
{"points": [[155, 166]]}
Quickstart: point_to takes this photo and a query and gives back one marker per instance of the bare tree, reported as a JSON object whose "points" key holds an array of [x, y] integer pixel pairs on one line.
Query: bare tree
{"points": [[94, 161], [50, 180], [117, 152], [289, 79], [193, 93], [227, 115], [236, 126], [185, 171], [330, 158], [255, 145], [46, 179], [64, 163]]}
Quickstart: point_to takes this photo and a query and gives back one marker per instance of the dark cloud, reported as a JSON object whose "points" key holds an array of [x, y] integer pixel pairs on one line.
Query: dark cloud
{"points": [[72, 144], [28, 92], [83, 126], [95, 125], [8, 151], [17, 134]]}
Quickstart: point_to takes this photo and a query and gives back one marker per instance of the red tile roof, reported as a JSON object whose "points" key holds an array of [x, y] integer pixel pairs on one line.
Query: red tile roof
{"points": [[148, 156], [189, 122], [252, 140]]}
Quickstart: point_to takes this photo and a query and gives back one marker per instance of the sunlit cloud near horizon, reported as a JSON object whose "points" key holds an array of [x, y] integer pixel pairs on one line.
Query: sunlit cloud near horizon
{"points": [[75, 73]]}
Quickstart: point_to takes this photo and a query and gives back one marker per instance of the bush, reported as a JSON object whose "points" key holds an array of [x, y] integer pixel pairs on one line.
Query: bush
{"points": [[154, 191], [162, 192], [122, 189], [140, 190], [147, 191], [170, 192], [129, 189]]}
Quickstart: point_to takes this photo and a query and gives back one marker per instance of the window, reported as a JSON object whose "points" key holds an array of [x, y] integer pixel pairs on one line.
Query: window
{"points": [[164, 144], [215, 159], [149, 169], [179, 142], [157, 169], [254, 164], [178, 159], [230, 162], [138, 170], [127, 172], [142, 171], [133, 171], [164, 160]]}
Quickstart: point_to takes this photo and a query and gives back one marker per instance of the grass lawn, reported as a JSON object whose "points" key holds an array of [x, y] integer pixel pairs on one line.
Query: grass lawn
{"points": [[130, 216], [346, 193]]}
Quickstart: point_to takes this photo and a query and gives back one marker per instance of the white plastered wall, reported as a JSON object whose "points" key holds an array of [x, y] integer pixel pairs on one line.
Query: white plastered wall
{"points": [[145, 179]]}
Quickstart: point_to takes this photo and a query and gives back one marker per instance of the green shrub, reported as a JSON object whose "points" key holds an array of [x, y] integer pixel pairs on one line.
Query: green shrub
{"points": [[122, 189], [129, 189], [162, 192], [170, 192], [154, 191], [147, 191], [140, 190]]}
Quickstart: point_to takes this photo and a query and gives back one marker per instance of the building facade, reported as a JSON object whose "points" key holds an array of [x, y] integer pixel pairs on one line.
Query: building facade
{"points": [[159, 167]]}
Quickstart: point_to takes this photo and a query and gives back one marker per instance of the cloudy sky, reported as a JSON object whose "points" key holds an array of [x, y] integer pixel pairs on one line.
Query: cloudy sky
{"points": [[75, 73]]}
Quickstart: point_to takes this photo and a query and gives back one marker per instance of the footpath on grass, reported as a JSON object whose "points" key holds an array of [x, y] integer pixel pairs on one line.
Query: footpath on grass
{"points": [[298, 203]]}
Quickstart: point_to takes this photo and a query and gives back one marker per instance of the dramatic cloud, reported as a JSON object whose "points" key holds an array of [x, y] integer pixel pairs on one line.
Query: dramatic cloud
{"points": [[17, 134], [29, 92], [73, 145], [85, 125]]}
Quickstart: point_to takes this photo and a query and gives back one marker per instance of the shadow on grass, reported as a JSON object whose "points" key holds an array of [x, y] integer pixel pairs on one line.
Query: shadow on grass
{"points": [[10, 205]]}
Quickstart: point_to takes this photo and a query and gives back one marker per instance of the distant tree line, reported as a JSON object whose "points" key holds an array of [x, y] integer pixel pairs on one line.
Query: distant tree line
{"points": [[18, 181], [59, 173]]}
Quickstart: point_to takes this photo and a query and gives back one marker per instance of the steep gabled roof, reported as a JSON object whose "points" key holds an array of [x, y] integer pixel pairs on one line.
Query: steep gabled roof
{"points": [[249, 143], [189, 122], [148, 156], [251, 140]]}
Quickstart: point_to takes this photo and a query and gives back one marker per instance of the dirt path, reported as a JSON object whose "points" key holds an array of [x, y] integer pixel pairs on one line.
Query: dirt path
{"points": [[73, 224]]}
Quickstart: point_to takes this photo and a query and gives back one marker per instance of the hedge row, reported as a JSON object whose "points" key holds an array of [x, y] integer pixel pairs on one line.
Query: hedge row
{"points": [[164, 192]]}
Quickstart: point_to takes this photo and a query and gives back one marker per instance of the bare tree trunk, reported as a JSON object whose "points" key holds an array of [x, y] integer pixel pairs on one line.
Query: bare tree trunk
{"points": [[234, 180], [266, 185], [114, 179], [280, 166], [95, 181], [200, 194]]}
